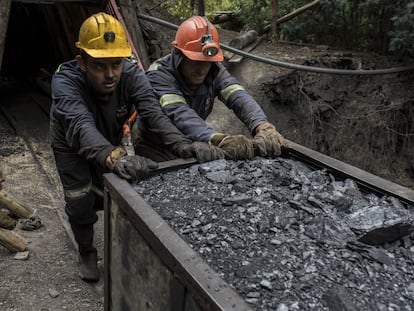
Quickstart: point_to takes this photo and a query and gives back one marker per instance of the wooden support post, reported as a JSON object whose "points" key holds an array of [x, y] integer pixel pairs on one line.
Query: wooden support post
{"points": [[4, 21], [14, 206], [298, 11], [293, 14], [275, 10], [12, 241], [131, 21]]}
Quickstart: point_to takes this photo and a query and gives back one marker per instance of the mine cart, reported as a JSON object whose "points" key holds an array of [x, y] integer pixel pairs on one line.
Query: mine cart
{"points": [[148, 266]]}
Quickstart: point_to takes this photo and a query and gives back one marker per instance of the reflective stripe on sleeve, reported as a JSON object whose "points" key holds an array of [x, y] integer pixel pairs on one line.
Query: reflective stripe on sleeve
{"points": [[226, 93], [58, 68], [82, 192], [171, 99]]}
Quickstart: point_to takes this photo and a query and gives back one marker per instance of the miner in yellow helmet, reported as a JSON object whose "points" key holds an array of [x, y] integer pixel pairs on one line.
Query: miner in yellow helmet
{"points": [[102, 36], [188, 80], [92, 97]]}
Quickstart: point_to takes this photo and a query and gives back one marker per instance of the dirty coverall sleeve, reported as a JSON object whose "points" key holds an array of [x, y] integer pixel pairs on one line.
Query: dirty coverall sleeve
{"points": [[76, 123], [177, 109], [236, 98]]}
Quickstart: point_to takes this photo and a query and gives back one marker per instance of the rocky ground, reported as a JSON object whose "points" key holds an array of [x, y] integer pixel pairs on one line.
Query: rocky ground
{"points": [[46, 278], [289, 238]]}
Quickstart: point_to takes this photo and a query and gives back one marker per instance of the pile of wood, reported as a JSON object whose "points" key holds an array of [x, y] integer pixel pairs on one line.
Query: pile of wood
{"points": [[10, 210]]}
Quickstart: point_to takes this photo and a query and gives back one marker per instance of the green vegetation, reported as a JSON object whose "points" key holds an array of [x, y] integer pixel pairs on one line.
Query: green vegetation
{"points": [[382, 26]]}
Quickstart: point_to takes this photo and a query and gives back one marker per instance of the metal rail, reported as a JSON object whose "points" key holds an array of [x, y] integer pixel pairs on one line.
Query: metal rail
{"points": [[367, 181]]}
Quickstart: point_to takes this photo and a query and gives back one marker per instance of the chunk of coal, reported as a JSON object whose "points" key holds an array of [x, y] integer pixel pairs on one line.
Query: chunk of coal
{"points": [[285, 236], [377, 225], [338, 299]]}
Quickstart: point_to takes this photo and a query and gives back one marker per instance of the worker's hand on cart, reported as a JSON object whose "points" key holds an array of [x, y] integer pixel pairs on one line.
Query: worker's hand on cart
{"points": [[204, 152], [268, 142], [129, 167], [235, 147]]}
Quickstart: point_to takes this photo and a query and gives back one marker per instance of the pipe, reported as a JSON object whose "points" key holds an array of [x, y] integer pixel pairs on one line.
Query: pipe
{"points": [[289, 65]]}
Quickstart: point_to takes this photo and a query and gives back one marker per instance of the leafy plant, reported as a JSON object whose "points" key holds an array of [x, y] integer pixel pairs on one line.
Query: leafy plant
{"points": [[372, 25], [402, 37]]}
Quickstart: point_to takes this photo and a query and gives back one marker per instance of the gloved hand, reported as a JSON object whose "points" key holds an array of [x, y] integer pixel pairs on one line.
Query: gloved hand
{"points": [[130, 168], [268, 141], [235, 147], [133, 168], [183, 150], [203, 152]]}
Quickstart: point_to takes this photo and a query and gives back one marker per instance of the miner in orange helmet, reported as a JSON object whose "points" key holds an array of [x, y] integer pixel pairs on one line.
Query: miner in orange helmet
{"points": [[188, 80], [92, 97]]}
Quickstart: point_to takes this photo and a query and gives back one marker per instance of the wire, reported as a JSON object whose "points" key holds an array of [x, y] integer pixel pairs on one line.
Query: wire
{"points": [[289, 65]]}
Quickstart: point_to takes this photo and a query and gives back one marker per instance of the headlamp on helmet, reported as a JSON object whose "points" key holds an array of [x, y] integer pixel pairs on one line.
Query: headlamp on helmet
{"points": [[103, 36], [198, 40], [208, 45]]}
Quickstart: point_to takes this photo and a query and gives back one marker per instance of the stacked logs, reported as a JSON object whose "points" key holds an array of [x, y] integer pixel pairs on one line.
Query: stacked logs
{"points": [[9, 239]]}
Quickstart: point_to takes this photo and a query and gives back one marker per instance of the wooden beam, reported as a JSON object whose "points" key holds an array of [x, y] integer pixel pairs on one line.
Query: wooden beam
{"points": [[4, 21], [14, 206], [297, 12], [294, 13], [127, 9], [12, 241]]}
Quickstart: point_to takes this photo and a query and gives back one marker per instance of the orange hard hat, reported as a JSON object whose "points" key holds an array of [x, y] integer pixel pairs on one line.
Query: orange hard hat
{"points": [[198, 39], [102, 36]]}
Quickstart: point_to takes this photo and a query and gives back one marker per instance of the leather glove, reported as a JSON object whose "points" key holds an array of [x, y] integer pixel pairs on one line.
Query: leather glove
{"points": [[235, 147], [131, 168], [183, 150], [205, 152], [268, 141]]}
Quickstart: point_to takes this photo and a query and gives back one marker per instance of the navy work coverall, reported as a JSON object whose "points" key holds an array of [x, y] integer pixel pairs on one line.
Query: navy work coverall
{"points": [[84, 130], [188, 109]]}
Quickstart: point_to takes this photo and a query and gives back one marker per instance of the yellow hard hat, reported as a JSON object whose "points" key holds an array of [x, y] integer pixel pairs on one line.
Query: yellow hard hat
{"points": [[102, 36]]}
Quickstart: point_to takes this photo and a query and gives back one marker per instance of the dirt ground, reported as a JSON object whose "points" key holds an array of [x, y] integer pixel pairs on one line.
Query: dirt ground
{"points": [[48, 278], [364, 120], [355, 119]]}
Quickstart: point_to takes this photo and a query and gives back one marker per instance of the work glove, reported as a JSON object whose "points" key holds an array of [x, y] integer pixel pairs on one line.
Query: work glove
{"points": [[203, 152], [183, 150], [235, 147], [268, 141], [130, 167]]}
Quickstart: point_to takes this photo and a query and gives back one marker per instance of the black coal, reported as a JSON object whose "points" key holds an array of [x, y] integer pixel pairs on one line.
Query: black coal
{"points": [[287, 237]]}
